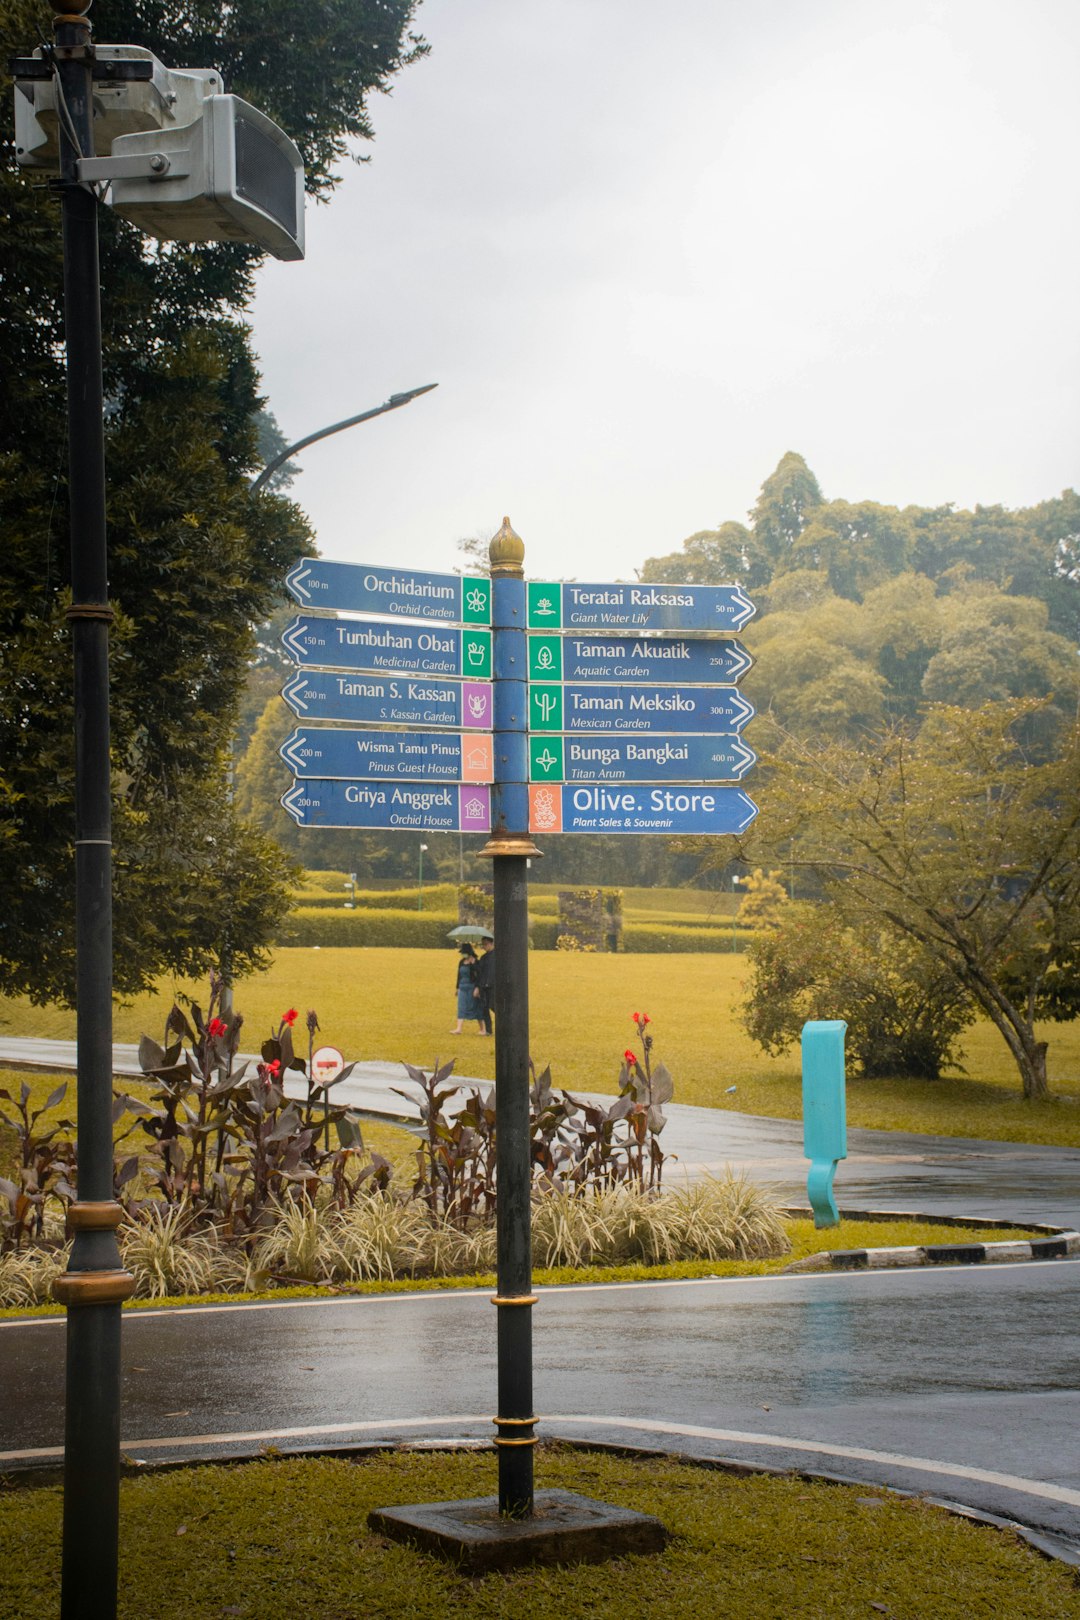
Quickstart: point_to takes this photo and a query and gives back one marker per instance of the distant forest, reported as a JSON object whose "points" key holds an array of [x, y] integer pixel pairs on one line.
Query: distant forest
{"points": [[864, 614]]}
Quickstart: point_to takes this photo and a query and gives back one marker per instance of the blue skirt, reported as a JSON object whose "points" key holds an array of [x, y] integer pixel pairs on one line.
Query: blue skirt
{"points": [[468, 1005]]}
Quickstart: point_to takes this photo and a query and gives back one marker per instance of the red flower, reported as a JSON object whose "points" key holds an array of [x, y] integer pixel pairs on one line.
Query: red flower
{"points": [[216, 1028], [290, 1017], [631, 1057], [270, 1071], [636, 1017], [645, 1019]]}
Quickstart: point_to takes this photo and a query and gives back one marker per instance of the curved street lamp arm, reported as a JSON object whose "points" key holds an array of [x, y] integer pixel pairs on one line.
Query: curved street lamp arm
{"points": [[392, 404]]}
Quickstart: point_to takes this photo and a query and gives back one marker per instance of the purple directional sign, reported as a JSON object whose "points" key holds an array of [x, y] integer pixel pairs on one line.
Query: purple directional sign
{"points": [[554, 606], [316, 694], [399, 806], [702, 709], [354, 752], [403, 649], [654, 757], [396, 592], [712, 660], [604, 807]]}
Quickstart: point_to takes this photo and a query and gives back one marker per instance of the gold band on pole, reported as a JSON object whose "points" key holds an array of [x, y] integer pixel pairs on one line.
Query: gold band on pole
{"points": [[514, 1299], [93, 1287], [94, 1217]]}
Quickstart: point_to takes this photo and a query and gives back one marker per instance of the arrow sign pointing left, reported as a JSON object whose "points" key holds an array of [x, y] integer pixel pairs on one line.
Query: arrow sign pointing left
{"points": [[361, 755]]}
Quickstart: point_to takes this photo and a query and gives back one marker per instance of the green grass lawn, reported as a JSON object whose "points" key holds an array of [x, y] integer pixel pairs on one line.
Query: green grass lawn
{"points": [[398, 1004], [278, 1539]]}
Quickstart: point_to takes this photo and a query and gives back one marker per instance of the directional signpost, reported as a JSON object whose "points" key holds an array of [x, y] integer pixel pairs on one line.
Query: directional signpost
{"points": [[637, 607], [582, 707], [396, 592], [708, 659], [404, 649], [395, 806], [616, 713], [430, 756], [615, 808], [379, 700], [656, 757]]}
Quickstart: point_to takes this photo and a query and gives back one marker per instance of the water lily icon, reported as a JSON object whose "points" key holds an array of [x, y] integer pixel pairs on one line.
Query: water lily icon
{"points": [[544, 604]]}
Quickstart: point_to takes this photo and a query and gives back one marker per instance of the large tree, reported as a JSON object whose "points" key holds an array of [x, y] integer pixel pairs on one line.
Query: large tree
{"points": [[957, 840], [195, 561]]}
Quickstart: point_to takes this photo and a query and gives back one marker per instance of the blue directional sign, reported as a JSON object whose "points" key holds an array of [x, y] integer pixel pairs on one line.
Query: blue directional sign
{"points": [[315, 694], [396, 592], [605, 807], [552, 606], [403, 649], [654, 757], [369, 755], [401, 806], [704, 709], [710, 659]]}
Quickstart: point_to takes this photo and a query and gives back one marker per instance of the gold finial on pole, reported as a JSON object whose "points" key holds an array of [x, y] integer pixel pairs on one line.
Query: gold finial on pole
{"points": [[506, 553]]}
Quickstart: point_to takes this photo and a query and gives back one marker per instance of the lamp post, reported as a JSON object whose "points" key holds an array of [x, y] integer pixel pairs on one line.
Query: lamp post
{"points": [[735, 881], [392, 404], [420, 890]]}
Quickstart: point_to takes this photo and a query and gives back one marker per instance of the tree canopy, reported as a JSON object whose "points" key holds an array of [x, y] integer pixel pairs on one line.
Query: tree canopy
{"points": [[957, 840], [195, 561]]}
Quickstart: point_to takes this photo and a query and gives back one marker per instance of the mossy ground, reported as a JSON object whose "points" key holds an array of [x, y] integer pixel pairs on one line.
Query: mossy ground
{"points": [[397, 1004], [275, 1540]]}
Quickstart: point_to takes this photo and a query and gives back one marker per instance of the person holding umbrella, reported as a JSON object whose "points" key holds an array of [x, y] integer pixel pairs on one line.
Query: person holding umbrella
{"points": [[465, 987]]}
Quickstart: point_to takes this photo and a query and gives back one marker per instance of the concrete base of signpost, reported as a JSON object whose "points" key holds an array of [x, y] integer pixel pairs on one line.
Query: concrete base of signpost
{"points": [[565, 1528]]}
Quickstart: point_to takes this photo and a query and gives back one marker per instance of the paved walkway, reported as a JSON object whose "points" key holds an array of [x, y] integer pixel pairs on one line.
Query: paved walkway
{"points": [[884, 1170]]}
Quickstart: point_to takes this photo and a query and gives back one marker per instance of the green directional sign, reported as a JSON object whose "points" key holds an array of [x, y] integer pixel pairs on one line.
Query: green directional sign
{"points": [[475, 600], [476, 654], [545, 658], [546, 759], [545, 707], [544, 605]]}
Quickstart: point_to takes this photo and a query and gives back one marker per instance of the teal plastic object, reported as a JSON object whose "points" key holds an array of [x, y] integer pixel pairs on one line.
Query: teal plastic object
{"points": [[824, 1113]]}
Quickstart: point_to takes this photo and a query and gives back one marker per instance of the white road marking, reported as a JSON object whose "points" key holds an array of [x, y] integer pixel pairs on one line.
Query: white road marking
{"points": [[152, 1314], [779, 1442]]}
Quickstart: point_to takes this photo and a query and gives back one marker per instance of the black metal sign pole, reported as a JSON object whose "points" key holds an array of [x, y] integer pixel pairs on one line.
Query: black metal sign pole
{"points": [[510, 846], [95, 1283]]}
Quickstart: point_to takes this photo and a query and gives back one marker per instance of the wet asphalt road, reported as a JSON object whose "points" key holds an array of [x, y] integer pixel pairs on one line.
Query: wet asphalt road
{"points": [[961, 1382]]}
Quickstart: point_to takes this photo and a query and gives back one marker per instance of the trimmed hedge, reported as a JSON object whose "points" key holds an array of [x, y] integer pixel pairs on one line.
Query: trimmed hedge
{"points": [[639, 937], [323, 926], [438, 897], [316, 925]]}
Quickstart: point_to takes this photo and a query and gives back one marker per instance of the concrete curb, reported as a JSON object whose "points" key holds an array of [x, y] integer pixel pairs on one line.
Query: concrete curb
{"points": [[1059, 1247]]}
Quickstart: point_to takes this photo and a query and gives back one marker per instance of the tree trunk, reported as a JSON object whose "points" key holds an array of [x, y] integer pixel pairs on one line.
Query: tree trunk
{"points": [[1033, 1071]]}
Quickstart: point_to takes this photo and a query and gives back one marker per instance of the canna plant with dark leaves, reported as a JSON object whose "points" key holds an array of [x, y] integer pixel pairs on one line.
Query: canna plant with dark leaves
{"points": [[648, 1087], [46, 1168], [226, 1140]]}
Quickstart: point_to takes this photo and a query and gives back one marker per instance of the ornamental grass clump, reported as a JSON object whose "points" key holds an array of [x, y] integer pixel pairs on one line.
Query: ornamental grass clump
{"points": [[165, 1256], [27, 1275]]}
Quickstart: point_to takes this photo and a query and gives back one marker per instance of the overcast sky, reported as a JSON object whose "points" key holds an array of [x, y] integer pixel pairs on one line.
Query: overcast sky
{"points": [[644, 250]]}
